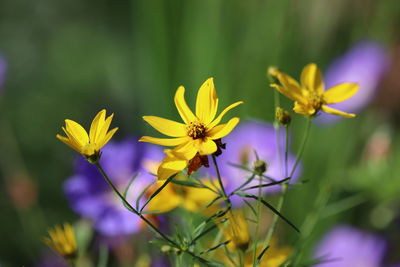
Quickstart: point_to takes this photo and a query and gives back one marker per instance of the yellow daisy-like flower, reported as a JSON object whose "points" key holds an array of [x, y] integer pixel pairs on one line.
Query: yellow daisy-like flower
{"points": [[89, 145], [62, 240], [310, 96], [197, 135], [190, 198], [236, 230]]}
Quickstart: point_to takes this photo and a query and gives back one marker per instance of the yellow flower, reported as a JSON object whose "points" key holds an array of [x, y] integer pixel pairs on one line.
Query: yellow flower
{"points": [[310, 96], [198, 133], [89, 145], [190, 198], [236, 229], [62, 240]]}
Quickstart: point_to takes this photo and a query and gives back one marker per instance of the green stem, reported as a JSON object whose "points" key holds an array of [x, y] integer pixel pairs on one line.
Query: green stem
{"points": [[133, 209], [258, 223], [285, 185], [154, 228], [286, 150], [302, 146], [227, 200]]}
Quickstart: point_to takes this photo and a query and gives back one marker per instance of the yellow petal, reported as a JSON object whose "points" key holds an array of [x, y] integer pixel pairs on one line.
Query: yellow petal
{"points": [[311, 78], [293, 94], [104, 141], [164, 141], [73, 139], [167, 127], [165, 201], [69, 143], [290, 87], [77, 131], [221, 115], [207, 102], [97, 124], [303, 109], [187, 150], [340, 92], [183, 109], [337, 112], [223, 129], [170, 166], [206, 146], [104, 129]]}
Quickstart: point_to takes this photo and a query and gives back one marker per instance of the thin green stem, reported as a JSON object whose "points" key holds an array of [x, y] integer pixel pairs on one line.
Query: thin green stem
{"points": [[133, 209], [258, 223], [154, 228], [285, 186], [227, 200], [286, 150], [302, 145]]}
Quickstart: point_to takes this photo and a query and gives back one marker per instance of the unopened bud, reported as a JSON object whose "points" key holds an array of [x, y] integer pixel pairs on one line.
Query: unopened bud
{"points": [[272, 71], [283, 116], [260, 167]]}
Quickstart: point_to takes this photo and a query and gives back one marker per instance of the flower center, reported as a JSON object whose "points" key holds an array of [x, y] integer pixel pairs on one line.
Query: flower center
{"points": [[316, 101], [196, 130]]}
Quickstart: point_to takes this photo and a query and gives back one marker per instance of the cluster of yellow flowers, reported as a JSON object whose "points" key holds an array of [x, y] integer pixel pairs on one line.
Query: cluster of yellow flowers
{"points": [[197, 137], [200, 133]]}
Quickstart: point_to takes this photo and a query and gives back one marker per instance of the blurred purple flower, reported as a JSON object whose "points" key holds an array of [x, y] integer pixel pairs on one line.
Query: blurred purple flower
{"points": [[345, 246], [365, 64], [51, 259], [3, 71], [90, 196], [241, 145]]}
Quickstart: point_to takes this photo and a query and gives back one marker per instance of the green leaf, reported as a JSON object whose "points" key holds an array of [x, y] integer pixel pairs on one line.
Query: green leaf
{"points": [[266, 185], [141, 195], [250, 206], [157, 192], [187, 183], [261, 255], [215, 247], [127, 189], [265, 203]]}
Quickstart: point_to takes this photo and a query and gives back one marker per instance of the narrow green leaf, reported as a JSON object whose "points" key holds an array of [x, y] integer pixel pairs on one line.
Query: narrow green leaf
{"points": [[250, 206], [127, 189], [261, 255], [215, 247], [157, 191], [265, 203], [266, 185]]}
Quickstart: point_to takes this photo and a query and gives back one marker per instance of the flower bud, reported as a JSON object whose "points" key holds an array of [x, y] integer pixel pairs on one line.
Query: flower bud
{"points": [[260, 167], [283, 116]]}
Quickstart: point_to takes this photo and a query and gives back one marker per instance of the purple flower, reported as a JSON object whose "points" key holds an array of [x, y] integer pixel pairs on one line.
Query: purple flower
{"points": [[241, 145], [3, 70], [91, 197], [365, 64], [345, 246]]}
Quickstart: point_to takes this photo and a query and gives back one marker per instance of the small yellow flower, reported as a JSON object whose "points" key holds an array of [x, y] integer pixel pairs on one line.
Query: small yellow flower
{"points": [[62, 240], [89, 145], [236, 230], [310, 96], [197, 135], [190, 198]]}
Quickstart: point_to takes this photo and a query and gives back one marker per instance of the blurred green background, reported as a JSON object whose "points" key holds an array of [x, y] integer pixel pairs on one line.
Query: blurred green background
{"points": [[69, 59]]}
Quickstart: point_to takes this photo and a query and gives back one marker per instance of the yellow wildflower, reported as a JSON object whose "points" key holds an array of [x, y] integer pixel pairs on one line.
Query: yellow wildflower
{"points": [[236, 229], [62, 240], [197, 136], [89, 145], [310, 96], [190, 198]]}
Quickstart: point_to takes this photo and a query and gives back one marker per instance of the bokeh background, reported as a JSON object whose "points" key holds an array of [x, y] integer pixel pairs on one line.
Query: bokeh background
{"points": [[69, 59]]}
